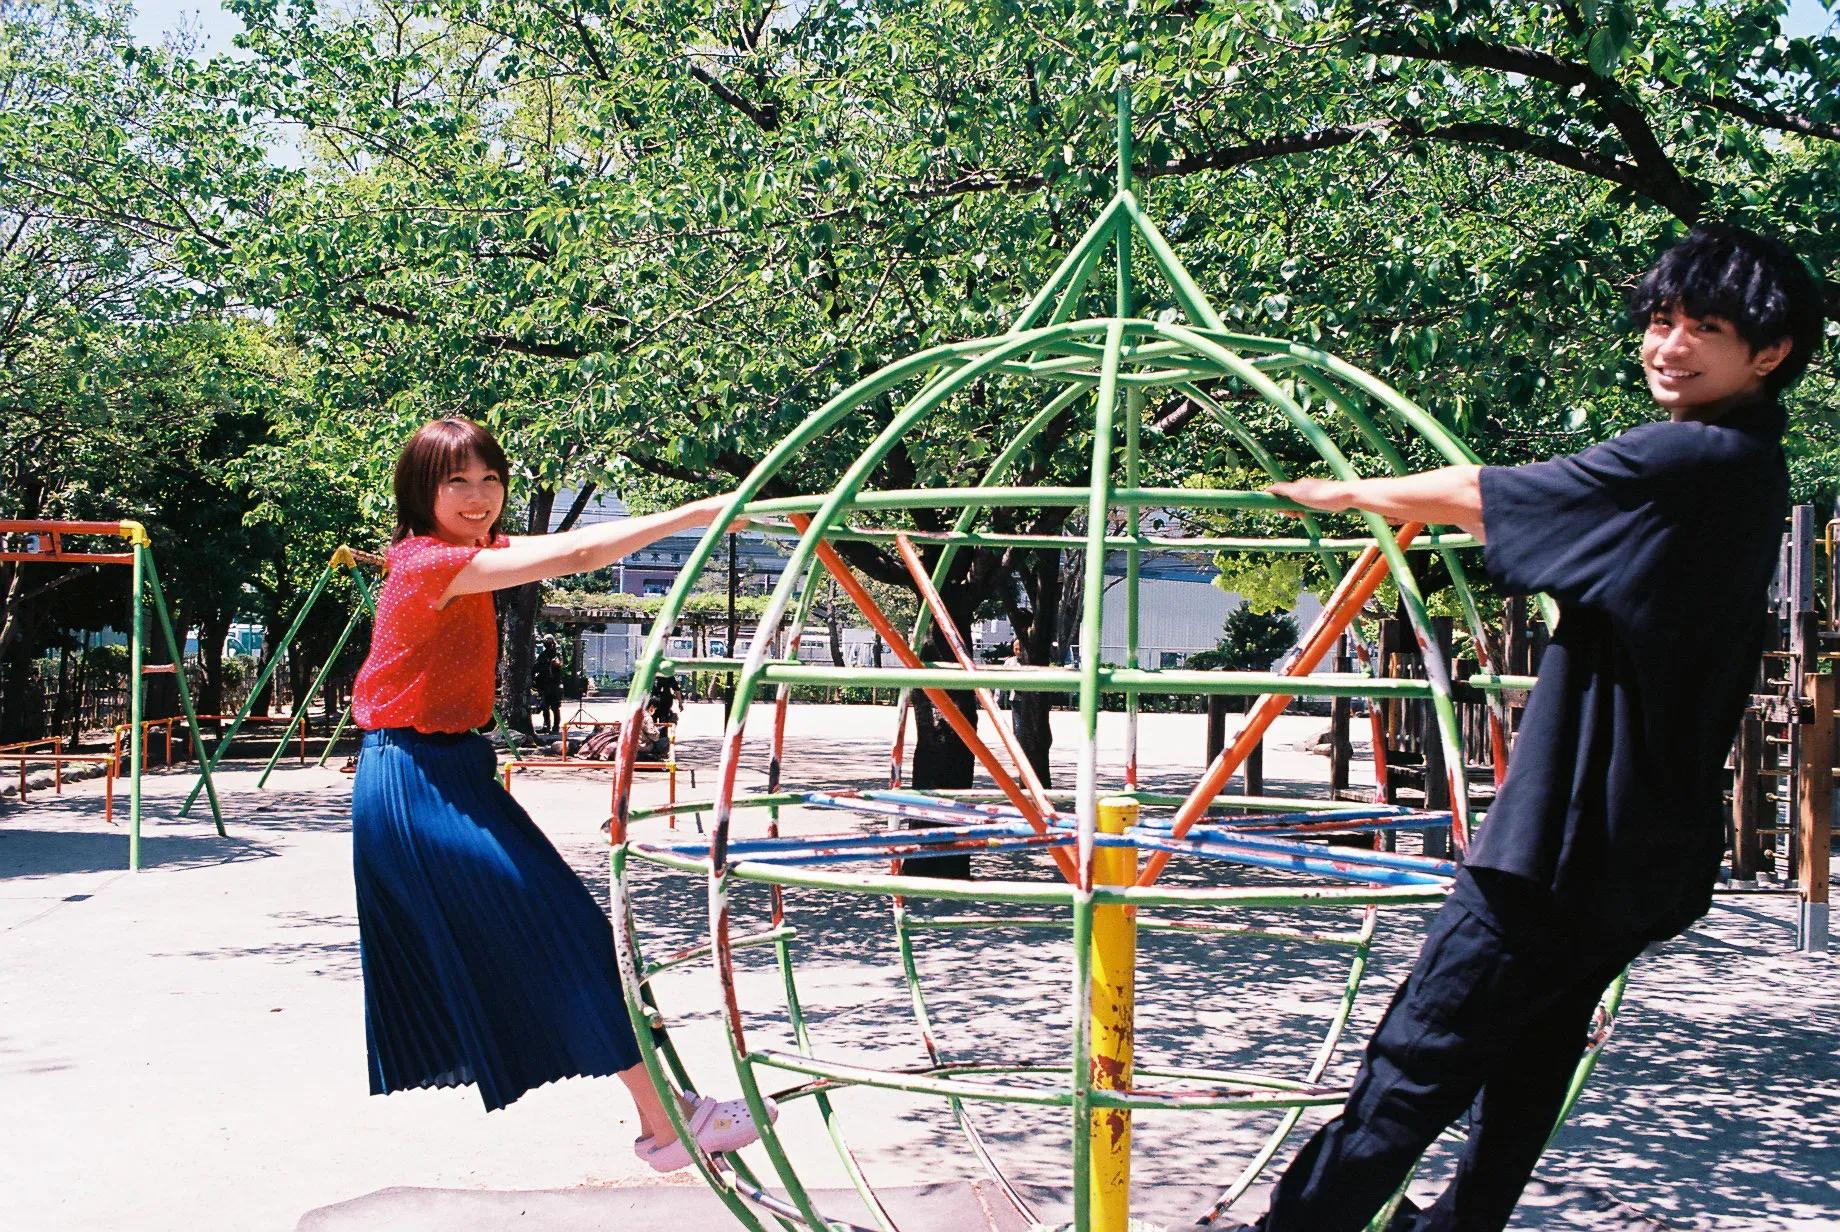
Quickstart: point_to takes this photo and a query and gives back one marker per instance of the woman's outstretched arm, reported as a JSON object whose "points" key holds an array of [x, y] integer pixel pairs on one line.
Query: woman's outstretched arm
{"points": [[1451, 496], [531, 558]]}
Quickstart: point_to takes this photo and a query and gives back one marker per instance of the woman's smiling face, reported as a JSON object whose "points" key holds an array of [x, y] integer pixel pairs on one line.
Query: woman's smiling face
{"points": [[468, 502]]}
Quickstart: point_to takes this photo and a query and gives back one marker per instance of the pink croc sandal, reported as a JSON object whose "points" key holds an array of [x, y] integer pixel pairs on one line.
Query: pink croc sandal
{"points": [[717, 1125]]}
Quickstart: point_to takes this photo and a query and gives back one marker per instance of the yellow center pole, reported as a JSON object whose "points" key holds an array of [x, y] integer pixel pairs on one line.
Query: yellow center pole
{"points": [[1114, 1002]]}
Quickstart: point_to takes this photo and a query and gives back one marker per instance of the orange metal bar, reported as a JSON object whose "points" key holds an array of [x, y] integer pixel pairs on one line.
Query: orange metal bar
{"points": [[942, 621], [147, 726], [55, 527], [1370, 569], [53, 532], [69, 558], [948, 709], [57, 759], [26, 746]]}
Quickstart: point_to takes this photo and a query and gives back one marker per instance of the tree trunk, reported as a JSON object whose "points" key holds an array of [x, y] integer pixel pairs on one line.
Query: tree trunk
{"points": [[1044, 583], [161, 698], [12, 586], [29, 496], [83, 682], [941, 759], [517, 610], [274, 627], [15, 683], [833, 624], [213, 631]]}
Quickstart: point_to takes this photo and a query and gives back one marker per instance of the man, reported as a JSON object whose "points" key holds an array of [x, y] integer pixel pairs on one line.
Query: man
{"points": [[1659, 546], [546, 676]]}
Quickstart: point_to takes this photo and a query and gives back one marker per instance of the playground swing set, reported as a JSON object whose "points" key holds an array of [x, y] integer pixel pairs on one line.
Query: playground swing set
{"points": [[42, 543]]}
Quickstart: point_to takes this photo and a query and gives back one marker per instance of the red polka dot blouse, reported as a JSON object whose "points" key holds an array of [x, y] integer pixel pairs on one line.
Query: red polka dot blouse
{"points": [[430, 668]]}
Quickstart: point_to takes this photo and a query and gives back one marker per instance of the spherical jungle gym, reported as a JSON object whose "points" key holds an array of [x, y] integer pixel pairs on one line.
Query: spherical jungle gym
{"points": [[1086, 862]]}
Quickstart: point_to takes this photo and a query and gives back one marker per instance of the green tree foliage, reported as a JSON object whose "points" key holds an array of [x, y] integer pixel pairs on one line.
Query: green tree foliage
{"points": [[1250, 641], [642, 240]]}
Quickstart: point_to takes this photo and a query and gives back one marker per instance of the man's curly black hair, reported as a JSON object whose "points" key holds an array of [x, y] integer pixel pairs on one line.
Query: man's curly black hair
{"points": [[1750, 280]]}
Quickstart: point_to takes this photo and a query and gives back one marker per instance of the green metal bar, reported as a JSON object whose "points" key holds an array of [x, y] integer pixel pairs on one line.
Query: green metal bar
{"points": [[1436, 670], [826, 1110], [846, 488], [914, 1084], [370, 605], [1026, 498], [268, 670], [1149, 924], [1072, 272], [904, 922], [961, 528], [1267, 1093], [1082, 1083], [1612, 1003], [338, 729], [1133, 559], [1454, 448], [817, 423], [1319, 1065], [1270, 465], [773, 936], [703, 806], [1459, 579], [137, 689], [1092, 605], [1154, 543], [185, 691], [917, 408], [662, 1065], [1266, 1096], [303, 710]]}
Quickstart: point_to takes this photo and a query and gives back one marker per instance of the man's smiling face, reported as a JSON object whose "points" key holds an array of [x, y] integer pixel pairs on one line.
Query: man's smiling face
{"points": [[1699, 367]]}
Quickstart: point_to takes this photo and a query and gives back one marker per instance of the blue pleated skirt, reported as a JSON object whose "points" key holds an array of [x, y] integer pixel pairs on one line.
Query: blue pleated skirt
{"points": [[486, 960]]}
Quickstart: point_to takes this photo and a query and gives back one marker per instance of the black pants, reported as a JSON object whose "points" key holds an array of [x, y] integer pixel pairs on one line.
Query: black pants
{"points": [[1495, 1014], [552, 710]]}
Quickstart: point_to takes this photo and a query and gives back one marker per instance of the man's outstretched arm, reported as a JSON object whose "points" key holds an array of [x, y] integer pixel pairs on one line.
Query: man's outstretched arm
{"points": [[1451, 496]]}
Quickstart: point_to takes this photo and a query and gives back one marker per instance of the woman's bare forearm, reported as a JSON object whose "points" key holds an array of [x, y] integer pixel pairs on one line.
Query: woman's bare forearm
{"points": [[533, 558], [1450, 496]]}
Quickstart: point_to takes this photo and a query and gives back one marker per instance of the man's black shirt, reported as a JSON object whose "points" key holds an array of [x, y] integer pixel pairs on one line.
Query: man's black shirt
{"points": [[1659, 546]]}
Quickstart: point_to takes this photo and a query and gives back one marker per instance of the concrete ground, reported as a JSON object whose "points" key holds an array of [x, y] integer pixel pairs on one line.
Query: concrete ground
{"points": [[183, 1047]]}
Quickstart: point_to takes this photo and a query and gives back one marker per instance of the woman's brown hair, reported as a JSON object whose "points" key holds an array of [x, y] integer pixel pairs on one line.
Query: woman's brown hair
{"points": [[436, 451]]}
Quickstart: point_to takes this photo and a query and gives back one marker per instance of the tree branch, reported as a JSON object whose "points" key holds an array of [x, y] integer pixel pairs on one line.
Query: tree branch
{"points": [[1765, 117], [764, 115], [492, 341], [1660, 179]]}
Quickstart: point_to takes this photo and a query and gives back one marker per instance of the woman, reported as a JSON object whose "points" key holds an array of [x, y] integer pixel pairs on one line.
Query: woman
{"points": [[486, 960]]}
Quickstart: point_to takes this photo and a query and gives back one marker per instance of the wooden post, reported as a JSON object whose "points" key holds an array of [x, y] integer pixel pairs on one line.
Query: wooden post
{"points": [[1515, 653], [1341, 710], [1216, 727], [1747, 802], [1814, 823], [1254, 769]]}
